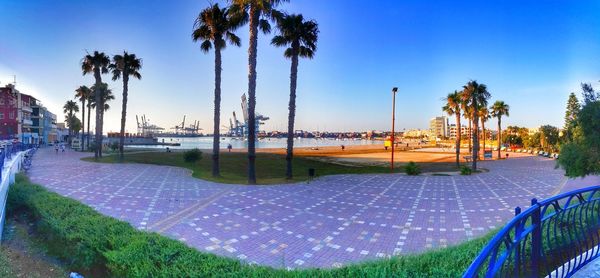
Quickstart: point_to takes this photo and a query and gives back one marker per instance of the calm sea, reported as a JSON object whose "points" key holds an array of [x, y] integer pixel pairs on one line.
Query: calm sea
{"points": [[206, 142]]}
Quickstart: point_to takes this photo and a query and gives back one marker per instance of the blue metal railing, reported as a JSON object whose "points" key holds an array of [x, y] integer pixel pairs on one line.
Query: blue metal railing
{"points": [[554, 237]]}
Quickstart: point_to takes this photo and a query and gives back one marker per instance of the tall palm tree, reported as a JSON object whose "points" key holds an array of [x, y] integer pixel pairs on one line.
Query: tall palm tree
{"points": [[499, 109], [484, 116], [258, 13], [83, 94], [70, 108], [453, 108], [476, 95], [106, 95], [97, 64], [214, 27], [300, 37], [125, 65]]}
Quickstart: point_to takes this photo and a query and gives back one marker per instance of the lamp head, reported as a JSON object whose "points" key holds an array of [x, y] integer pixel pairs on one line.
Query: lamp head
{"points": [[395, 89]]}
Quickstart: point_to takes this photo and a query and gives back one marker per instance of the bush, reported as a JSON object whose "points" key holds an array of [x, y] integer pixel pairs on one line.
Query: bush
{"points": [[114, 146], [192, 155], [412, 169], [465, 170]]}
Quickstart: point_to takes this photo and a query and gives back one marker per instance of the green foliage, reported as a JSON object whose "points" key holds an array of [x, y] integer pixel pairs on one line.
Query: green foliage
{"points": [[412, 169], [581, 156], [192, 155], [549, 138], [114, 146], [573, 108], [465, 170], [85, 239]]}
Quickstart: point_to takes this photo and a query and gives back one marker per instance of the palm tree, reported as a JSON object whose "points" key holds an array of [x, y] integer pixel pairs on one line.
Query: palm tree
{"points": [[453, 107], [97, 64], [125, 65], [214, 27], [476, 95], [83, 93], [258, 13], [300, 38], [484, 115], [499, 109], [105, 95], [70, 108]]}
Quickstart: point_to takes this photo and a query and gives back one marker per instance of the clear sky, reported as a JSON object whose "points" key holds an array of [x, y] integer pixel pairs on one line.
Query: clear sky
{"points": [[531, 54]]}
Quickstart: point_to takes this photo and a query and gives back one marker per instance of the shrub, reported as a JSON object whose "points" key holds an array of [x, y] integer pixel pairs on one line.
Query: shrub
{"points": [[465, 170], [192, 155], [114, 146], [412, 169]]}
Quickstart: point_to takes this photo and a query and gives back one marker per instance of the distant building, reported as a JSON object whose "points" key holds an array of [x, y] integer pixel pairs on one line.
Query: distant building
{"points": [[23, 118], [465, 132], [416, 133], [62, 132], [44, 123], [438, 127]]}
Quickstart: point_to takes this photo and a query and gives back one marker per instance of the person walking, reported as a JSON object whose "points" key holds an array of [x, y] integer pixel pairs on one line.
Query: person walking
{"points": [[56, 147]]}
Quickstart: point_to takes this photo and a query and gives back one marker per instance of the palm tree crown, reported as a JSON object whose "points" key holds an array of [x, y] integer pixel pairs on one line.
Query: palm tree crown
{"points": [[98, 61], [499, 109], [215, 26], [300, 35], [83, 93], [453, 104], [70, 107], [126, 64], [105, 95]]}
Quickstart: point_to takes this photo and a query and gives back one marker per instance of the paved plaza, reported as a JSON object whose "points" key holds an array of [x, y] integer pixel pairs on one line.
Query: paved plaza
{"points": [[330, 222]]}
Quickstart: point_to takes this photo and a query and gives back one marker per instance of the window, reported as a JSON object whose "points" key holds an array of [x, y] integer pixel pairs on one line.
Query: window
{"points": [[1, 115], [11, 115], [1, 101]]}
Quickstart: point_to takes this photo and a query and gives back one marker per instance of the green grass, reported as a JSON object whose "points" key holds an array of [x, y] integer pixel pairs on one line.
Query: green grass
{"points": [[101, 246], [6, 269], [270, 168]]}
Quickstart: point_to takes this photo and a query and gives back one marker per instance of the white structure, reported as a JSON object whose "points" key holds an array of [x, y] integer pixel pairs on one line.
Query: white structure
{"points": [[438, 127]]}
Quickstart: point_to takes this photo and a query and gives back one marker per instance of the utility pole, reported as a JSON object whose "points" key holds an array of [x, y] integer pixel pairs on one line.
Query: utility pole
{"points": [[394, 91]]}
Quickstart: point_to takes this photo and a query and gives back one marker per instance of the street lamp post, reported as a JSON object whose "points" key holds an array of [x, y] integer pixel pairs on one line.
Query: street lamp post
{"points": [[394, 91]]}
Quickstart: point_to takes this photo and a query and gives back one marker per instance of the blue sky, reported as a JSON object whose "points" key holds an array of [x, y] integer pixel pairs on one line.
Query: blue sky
{"points": [[531, 54]]}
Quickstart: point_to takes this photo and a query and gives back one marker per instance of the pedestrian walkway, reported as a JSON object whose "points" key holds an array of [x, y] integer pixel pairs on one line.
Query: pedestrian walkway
{"points": [[330, 222]]}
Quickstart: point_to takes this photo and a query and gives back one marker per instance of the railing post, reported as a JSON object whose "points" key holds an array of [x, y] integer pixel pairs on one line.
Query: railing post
{"points": [[536, 239], [518, 232]]}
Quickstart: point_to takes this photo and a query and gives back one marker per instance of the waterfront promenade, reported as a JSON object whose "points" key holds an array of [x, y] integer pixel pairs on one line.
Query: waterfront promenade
{"points": [[329, 222]]}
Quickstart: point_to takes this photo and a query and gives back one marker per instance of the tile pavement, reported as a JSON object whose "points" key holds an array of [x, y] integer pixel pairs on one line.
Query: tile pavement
{"points": [[330, 222]]}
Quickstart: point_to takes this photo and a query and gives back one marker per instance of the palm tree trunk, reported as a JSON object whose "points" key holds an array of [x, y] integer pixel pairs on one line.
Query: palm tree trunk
{"points": [[101, 125], [475, 141], [97, 94], [217, 114], [470, 136], [123, 112], [483, 135], [292, 112], [499, 137], [82, 123], [252, 54], [458, 139], [88, 124]]}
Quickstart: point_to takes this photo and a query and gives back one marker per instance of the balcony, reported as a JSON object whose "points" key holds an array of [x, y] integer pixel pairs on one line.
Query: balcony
{"points": [[27, 109], [28, 122]]}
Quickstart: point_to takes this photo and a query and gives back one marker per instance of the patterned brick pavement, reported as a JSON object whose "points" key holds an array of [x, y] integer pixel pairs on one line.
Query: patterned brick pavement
{"points": [[330, 222]]}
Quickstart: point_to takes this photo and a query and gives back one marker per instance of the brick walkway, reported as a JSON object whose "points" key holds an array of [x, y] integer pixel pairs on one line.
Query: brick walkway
{"points": [[332, 221]]}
